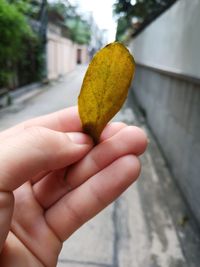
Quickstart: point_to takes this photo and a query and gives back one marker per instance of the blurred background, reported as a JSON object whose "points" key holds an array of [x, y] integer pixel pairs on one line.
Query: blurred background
{"points": [[45, 47]]}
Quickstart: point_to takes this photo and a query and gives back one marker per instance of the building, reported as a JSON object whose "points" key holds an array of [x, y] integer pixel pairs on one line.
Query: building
{"points": [[63, 54]]}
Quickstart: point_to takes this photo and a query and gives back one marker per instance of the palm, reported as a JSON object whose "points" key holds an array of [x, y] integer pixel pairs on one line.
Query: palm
{"points": [[33, 236]]}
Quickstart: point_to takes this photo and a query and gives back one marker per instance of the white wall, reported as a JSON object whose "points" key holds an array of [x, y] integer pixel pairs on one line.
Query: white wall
{"points": [[172, 42], [62, 53], [61, 56]]}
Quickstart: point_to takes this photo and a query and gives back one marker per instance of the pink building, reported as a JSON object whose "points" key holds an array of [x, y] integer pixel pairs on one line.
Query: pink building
{"points": [[63, 55]]}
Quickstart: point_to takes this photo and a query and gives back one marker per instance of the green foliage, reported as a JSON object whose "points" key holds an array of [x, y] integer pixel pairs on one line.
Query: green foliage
{"points": [[79, 29], [122, 25], [21, 49], [13, 30], [21, 5], [30, 8], [141, 10], [63, 8]]}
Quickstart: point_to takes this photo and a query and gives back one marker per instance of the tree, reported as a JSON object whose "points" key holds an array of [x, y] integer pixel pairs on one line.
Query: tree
{"points": [[13, 29], [137, 14], [22, 35], [79, 29]]}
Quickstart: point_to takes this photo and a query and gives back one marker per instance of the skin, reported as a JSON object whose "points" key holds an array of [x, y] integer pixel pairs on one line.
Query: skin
{"points": [[39, 208]]}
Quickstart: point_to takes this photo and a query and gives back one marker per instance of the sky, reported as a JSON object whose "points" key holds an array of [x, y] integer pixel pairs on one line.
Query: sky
{"points": [[102, 12]]}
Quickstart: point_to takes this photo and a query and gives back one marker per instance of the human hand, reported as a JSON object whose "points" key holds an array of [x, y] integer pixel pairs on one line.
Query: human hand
{"points": [[39, 208]]}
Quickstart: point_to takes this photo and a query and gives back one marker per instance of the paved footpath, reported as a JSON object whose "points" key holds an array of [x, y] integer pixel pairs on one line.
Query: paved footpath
{"points": [[149, 225]]}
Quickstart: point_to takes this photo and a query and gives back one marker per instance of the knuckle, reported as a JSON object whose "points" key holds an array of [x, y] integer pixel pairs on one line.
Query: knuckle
{"points": [[39, 137], [53, 147], [96, 161], [74, 215], [35, 131], [43, 135], [49, 144], [97, 196], [36, 137]]}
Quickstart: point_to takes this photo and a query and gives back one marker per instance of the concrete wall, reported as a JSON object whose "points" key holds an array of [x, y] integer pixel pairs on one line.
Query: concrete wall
{"points": [[172, 101], [172, 42], [62, 53]]}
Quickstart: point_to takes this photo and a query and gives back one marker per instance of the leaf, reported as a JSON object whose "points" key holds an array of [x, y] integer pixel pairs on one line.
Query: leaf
{"points": [[105, 87]]}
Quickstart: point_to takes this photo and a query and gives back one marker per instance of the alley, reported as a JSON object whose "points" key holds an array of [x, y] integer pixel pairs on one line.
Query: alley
{"points": [[149, 225]]}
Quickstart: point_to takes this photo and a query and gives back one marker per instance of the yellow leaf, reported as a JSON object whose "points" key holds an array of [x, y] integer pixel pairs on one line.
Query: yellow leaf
{"points": [[105, 87]]}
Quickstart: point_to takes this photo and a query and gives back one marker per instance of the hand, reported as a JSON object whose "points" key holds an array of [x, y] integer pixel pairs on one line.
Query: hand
{"points": [[52, 180]]}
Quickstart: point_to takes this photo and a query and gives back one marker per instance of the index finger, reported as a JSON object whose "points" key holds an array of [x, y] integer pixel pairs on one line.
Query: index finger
{"points": [[66, 120]]}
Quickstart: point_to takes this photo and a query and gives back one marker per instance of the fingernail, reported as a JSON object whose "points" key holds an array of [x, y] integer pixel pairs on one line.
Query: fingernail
{"points": [[80, 138]]}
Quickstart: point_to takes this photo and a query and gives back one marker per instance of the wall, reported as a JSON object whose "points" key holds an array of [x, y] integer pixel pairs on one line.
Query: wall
{"points": [[172, 42], [62, 53], [167, 86]]}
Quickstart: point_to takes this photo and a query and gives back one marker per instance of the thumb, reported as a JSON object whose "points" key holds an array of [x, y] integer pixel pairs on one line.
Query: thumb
{"points": [[25, 155], [38, 149]]}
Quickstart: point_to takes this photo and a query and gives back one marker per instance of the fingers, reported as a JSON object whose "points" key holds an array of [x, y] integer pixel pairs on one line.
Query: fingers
{"points": [[111, 129], [84, 202], [53, 186], [38, 149], [66, 120], [128, 140]]}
